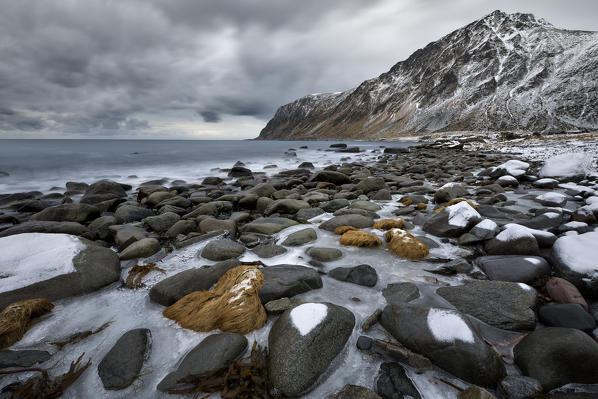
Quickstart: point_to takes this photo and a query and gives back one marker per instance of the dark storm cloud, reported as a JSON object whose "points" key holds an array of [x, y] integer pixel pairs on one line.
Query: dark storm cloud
{"points": [[92, 67]]}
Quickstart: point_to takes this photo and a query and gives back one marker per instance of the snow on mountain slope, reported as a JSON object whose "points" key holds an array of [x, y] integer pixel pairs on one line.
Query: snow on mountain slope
{"points": [[502, 72]]}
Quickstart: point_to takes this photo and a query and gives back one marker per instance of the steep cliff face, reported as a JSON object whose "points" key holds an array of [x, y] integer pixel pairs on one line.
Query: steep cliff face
{"points": [[504, 71]]}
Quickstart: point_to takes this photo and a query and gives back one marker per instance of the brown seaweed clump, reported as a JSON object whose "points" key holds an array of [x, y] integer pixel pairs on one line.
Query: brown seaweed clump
{"points": [[232, 305], [406, 201], [138, 272], [406, 245], [387, 224], [340, 230], [358, 238], [15, 319], [456, 201]]}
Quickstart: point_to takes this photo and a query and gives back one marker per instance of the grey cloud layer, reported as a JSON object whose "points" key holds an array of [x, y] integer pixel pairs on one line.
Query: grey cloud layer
{"points": [[107, 67]]}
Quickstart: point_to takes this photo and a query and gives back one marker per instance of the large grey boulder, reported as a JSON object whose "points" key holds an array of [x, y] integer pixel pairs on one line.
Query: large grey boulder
{"points": [[452, 221], [173, 288], [501, 304], [222, 249], [143, 248], [22, 358], [398, 293], [38, 226], [557, 356], [94, 268], [103, 190], [162, 222], [447, 338], [370, 184], [132, 213], [450, 191], [300, 237], [211, 224], [574, 258], [122, 364], [514, 240], [357, 221], [361, 275], [286, 206], [269, 251], [213, 353], [393, 382], [288, 281], [268, 226], [516, 268], [213, 208], [330, 176], [335, 204], [303, 342], [100, 227], [126, 234], [79, 213]]}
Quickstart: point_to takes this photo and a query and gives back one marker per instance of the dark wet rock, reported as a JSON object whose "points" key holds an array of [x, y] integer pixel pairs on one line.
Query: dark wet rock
{"points": [[300, 237], [330, 176], [131, 213], [286, 206], [22, 358], [279, 306], [356, 221], [557, 356], [365, 205], [288, 281], [357, 211], [397, 293], [382, 195], [211, 224], [393, 383], [460, 351], [516, 268], [127, 234], [370, 184], [562, 291], [324, 254], [100, 227], [268, 226], [143, 248], [161, 223], [513, 241], [173, 288], [501, 304], [214, 352], [299, 356], [183, 226], [39, 226], [335, 204], [95, 267], [482, 231], [239, 171], [122, 364], [451, 191], [552, 199], [546, 220], [518, 387], [308, 213], [269, 251], [103, 190], [355, 392], [222, 249], [568, 315], [361, 275], [79, 213], [214, 208], [574, 258], [451, 222]]}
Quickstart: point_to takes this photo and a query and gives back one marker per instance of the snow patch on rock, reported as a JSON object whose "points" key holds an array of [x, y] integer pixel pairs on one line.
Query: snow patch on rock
{"points": [[306, 317], [579, 252], [448, 326], [461, 214], [566, 165]]}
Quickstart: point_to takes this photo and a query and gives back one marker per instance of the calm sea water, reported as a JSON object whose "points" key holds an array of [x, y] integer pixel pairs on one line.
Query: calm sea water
{"points": [[46, 164]]}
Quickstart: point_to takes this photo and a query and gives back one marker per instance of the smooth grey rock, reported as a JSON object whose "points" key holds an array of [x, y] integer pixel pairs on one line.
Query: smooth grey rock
{"points": [[361, 275], [101, 227], [330, 176], [161, 223], [213, 353], [450, 192], [22, 358], [308, 213], [501, 304], [440, 225], [521, 243], [393, 382], [214, 208], [268, 251], [568, 315], [516, 268], [122, 364], [335, 204], [397, 293], [365, 205], [103, 190], [143, 248], [357, 221], [473, 361], [79, 213], [131, 213], [557, 356], [300, 237], [324, 254], [518, 387], [127, 234], [286, 206], [210, 224], [222, 249], [288, 281], [297, 360], [38, 226], [268, 226], [183, 226], [575, 265]]}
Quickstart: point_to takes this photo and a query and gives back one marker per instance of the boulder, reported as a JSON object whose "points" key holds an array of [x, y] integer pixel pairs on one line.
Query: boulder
{"points": [[557, 356], [100, 227], [518, 387], [126, 234], [286, 206], [324, 254], [335, 204], [213, 353], [361, 275], [79, 213], [211, 224], [268, 226], [452, 221], [183, 226], [268, 251], [501, 304], [354, 220], [568, 315], [303, 342], [574, 258], [239, 171], [552, 199], [513, 167], [449, 192], [214, 208], [173, 288], [300, 237], [222, 249], [393, 382], [397, 293], [131, 213], [370, 184], [143, 248], [482, 231], [53, 266], [288, 281], [161, 223], [103, 190], [365, 205], [562, 291], [122, 364], [515, 240], [516, 268], [72, 228], [308, 213], [447, 338], [330, 176]]}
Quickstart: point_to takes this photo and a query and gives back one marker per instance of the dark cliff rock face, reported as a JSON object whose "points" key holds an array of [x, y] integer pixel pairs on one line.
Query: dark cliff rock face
{"points": [[504, 71]]}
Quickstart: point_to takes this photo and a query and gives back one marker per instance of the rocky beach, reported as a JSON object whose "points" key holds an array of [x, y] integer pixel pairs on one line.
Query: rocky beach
{"points": [[462, 266]]}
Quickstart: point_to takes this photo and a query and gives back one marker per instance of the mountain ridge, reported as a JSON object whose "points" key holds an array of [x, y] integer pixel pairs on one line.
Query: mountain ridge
{"points": [[500, 72]]}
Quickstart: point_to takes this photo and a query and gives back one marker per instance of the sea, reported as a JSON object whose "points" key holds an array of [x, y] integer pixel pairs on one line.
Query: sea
{"points": [[46, 165]]}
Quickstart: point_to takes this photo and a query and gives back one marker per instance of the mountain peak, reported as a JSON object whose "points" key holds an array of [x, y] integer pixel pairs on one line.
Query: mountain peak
{"points": [[497, 18]]}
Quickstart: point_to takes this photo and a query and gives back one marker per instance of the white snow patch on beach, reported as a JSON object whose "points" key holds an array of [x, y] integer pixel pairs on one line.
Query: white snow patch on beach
{"points": [[552, 197], [514, 232], [461, 213], [306, 317], [29, 258], [579, 252], [564, 165], [514, 167], [448, 326]]}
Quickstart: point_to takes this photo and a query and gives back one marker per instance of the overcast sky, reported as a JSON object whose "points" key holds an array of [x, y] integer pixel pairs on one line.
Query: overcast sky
{"points": [[210, 69]]}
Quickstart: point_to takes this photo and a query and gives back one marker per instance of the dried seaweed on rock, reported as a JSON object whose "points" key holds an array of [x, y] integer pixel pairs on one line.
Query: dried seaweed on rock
{"points": [[243, 379], [15, 319], [340, 230], [358, 238], [138, 272], [406, 245], [387, 224], [42, 386]]}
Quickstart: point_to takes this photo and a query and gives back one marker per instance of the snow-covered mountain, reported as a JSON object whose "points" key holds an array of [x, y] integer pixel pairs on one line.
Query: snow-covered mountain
{"points": [[502, 72]]}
